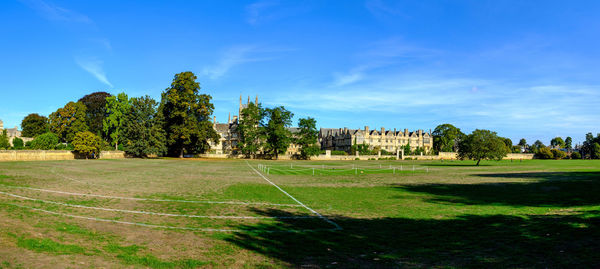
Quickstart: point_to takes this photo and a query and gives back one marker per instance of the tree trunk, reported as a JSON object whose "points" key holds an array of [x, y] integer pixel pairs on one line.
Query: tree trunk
{"points": [[181, 153], [478, 162]]}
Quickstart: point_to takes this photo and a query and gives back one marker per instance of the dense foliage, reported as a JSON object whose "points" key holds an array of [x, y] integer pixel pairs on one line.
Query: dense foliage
{"points": [[307, 138], [87, 144], [251, 130], [68, 121], [278, 137], [446, 138], [4, 144], [142, 132], [116, 108], [18, 143], [46, 141], [33, 125], [95, 104], [482, 145], [187, 116]]}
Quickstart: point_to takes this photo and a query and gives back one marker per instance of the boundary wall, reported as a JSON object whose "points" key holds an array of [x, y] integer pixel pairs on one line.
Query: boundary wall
{"points": [[49, 155]]}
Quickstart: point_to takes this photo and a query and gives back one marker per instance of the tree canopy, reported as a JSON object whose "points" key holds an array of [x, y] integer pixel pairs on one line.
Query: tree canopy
{"points": [[569, 143], [87, 144], [187, 116], [68, 121], [250, 129], [557, 142], [482, 145], [116, 108], [307, 138], [278, 137], [446, 138], [45, 141], [4, 144], [33, 125], [142, 133], [95, 113]]}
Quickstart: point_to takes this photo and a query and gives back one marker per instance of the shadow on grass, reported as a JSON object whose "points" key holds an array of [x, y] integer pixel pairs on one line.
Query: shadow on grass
{"points": [[550, 189], [494, 241]]}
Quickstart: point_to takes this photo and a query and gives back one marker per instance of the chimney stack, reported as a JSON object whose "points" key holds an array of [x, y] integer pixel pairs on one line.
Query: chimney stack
{"points": [[256, 100], [367, 129], [382, 131], [405, 132], [229, 118]]}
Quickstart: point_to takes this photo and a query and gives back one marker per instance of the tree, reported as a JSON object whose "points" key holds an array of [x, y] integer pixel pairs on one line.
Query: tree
{"points": [[523, 144], [557, 142], [558, 154], [17, 143], [68, 121], [87, 144], [482, 145], [537, 145], [95, 104], [575, 155], [143, 133], [112, 124], [251, 130], [33, 125], [4, 144], [308, 137], [46, 141], [507, 143], [446, 138], [569, 144], [595, 151], [278, 137], [187, 116], [406, 149], [544, 153]]}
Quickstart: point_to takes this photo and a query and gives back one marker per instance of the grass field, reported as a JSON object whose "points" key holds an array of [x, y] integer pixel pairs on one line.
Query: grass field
{"points": [[168, 213]]}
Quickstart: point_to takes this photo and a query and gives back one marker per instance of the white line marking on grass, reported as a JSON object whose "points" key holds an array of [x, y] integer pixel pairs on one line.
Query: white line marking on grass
{"points": [[153, 213], [149, 199], [337, 227], [166, 227]]}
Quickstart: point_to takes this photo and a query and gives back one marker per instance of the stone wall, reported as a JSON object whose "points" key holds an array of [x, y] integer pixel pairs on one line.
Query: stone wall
{"points": [[47, 155]]}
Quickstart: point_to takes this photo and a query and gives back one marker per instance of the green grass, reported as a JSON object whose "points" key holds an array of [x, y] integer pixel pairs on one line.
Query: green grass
{"points": [[451, 214]]}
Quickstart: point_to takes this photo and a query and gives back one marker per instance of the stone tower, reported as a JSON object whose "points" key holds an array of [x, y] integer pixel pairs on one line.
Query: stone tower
{"points": [[1, 125]]}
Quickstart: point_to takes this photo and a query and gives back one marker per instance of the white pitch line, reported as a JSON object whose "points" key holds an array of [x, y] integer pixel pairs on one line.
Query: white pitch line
{"points": [[149, 199], [167, 227], [154, 213], [337, 227]]}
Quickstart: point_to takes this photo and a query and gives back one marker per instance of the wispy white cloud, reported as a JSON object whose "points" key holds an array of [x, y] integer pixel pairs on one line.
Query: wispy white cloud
{"points": [[255, 12], [94, 67], [54, 12], [232, 57]]}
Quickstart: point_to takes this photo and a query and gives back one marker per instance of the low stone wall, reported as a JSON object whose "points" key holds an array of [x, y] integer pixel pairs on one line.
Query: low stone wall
{"points": [[47, 155]]}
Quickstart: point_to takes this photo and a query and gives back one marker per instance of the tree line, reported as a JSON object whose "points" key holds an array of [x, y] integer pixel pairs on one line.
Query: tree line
{"points": [[179, 124], [486, 144]]}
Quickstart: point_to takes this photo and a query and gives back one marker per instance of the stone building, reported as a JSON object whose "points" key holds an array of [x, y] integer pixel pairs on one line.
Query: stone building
{"points": [[329, 138], [11, 132], [389, 140]]}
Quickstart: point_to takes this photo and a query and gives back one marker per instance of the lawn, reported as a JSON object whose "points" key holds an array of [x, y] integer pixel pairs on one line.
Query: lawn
{"points": [[169, 213]]}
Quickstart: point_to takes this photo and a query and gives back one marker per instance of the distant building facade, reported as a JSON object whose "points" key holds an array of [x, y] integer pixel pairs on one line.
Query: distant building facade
{"points": [[328, 138], [11, 132], [389, 140]]}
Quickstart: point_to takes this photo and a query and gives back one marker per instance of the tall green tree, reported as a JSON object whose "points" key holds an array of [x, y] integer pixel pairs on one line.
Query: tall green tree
{"points": [[187, 116], [507, 143], [4, 144], [33, 125], [278, 137], [116, 108], [68, 121], [482, 145], [569, 144], [251, 130], [307, 138], [537, 145], [96, 110], [143, 133], [523, 143], [557, 142], [446, 138]]}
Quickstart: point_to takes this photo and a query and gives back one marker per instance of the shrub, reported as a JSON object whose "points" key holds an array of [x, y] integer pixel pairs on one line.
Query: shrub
{"points": [[544, 153], [575, 155], [17, 143], [338, 152], [4, 140], [44, 141], [87, 144], [357, 159], [558, 154]]}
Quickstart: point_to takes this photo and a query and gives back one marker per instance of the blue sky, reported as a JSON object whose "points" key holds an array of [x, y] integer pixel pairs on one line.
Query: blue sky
{"points": [[521, 68]]}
